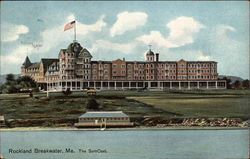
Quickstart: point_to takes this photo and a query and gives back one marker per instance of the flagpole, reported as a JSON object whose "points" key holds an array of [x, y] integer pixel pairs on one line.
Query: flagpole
{"points": [[75, 31]]}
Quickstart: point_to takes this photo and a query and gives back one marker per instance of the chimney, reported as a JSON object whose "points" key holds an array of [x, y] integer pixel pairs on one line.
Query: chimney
{"points": [[157, 57], [123, 59]]}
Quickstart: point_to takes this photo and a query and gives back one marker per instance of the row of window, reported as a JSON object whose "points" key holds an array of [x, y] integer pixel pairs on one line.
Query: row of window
{"points": [[142, 65], [32, 70], [142, 77], [84, 60], [94, 119]]}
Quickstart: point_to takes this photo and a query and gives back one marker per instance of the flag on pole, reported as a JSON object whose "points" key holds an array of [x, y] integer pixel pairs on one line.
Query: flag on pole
{"points": [[69, 25]]}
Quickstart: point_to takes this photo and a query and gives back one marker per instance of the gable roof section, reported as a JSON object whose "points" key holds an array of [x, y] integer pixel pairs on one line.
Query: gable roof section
{"points": [[47, 62], [84, 53], [34, 65]]}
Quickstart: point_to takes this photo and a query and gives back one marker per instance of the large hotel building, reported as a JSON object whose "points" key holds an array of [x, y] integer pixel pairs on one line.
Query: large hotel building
{"points": [[74, 69]]}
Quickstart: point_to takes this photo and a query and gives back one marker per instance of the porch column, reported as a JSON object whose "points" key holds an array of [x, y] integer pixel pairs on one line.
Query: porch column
{"points": [[108, 85], [158, 84], [88, 84], [129, 85], [198, 84], [66, 87], [115, 85], [94, 84], [207, 84], [101, 84], [188, 84], [216, 85], [122, 85], [81, 85], [179, 84], [171, 86], [136, 84]]}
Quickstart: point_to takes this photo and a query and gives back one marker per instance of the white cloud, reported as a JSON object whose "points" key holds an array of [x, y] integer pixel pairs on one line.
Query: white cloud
{"points": [[232, 55], [83, 29], [221, 32], [128, 21], [182, 32], [12, 32], [52, 37], [104, 45], [203, 57], [155, 38], [17, 55], [188, 55]]}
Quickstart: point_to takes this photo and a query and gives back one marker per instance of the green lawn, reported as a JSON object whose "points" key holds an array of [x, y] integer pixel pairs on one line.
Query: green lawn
{"points": [[221, 103], [234, 106]]}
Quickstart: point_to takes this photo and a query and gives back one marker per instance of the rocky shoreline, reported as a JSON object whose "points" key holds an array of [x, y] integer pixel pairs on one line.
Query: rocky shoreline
{"points": [[151, 123], [196, 122]]}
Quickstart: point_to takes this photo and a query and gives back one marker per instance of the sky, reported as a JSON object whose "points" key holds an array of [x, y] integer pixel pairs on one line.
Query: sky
{"points": [[191, 30]]}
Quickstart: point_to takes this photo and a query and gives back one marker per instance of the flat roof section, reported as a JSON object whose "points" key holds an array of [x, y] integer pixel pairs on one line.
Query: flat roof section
{"points": [[104, 114]]}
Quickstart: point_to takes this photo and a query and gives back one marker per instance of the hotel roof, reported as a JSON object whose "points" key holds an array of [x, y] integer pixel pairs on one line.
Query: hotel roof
{"points": [[104, 114], [34, 65]]}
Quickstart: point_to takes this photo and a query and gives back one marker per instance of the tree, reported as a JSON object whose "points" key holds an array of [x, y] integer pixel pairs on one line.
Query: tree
{"points": [[13, 85], [3, 88], [10, 77], [27, 82], [246, 84], [228, 82], [92, 104], [237, 84]]}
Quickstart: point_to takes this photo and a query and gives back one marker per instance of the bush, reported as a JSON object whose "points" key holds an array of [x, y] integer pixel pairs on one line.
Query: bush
{"points": [[67, 92], [92, 104]]}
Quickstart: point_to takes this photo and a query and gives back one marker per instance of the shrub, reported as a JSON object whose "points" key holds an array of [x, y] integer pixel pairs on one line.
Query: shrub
{"points": [[67, 92], [92, 104]]}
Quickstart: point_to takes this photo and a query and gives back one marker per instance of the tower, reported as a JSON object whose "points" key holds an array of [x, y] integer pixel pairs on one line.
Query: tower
{"points": [[25, 64], [150, 56]]}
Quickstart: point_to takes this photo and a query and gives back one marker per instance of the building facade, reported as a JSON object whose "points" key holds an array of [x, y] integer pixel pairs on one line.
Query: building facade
{"points": [[76, 70], [104, 119]]}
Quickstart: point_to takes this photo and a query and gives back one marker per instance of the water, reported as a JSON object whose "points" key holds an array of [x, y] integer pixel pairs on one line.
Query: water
{"points": [[129, 144]]}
